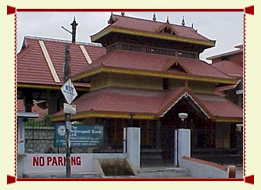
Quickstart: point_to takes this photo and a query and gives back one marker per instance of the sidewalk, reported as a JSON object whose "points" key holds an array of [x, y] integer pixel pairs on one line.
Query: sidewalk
{"points": [[239, 172]]}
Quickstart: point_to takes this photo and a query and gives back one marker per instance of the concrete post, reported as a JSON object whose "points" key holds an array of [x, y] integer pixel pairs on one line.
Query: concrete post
{"points": [[182, 146], [125, 140], [20, 146], [20, 136], [21, 118], [133, 146]]}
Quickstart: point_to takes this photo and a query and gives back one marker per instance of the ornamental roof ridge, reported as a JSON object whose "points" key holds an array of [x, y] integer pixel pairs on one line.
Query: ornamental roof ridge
{"points": [[152, 21]]}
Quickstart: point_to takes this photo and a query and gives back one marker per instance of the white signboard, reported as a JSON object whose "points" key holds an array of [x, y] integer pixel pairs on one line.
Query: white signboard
{"points": [[71, 109], [69, 91], [56, 163]]}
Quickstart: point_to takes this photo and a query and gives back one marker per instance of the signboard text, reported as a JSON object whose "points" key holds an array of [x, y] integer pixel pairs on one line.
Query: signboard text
{"points": [[55, 161]]}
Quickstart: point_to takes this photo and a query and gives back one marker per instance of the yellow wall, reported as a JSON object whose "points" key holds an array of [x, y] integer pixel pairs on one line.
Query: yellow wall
{"points": [[103, 80], [129, 81], [99, 81], [202, 87], [175, 83]]}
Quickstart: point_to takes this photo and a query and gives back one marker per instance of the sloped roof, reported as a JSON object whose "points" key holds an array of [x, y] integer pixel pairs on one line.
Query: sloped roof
{"points": [[122, 100], [150, 27], [220, 107], [140, 61], [230, 68], [32, 66], [148, 104], [199, 68]]}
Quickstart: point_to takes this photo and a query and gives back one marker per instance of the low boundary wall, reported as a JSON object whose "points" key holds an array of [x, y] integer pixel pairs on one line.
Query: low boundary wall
{"points": [[204, 169], [56, 163]]}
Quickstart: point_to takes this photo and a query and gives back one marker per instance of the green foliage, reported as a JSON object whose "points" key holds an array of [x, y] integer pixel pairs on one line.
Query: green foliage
{"points": [[38, 123], [46, 119]]}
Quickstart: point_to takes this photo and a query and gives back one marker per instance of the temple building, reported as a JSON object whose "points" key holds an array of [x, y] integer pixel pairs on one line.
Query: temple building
{"points": [[144, 75]]}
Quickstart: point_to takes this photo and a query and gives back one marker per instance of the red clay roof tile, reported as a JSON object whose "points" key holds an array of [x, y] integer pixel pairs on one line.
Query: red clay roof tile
{"points": [[220, 107], [152, 26], [229, 67], [153, 102], [154, 62], [32, 66]]}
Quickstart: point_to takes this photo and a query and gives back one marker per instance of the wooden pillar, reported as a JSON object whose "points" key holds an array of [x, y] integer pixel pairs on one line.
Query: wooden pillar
{"points": [[158, 135]]}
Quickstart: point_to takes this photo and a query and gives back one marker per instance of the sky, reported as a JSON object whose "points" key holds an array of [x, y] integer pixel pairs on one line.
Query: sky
{"points": [[224, 27]]}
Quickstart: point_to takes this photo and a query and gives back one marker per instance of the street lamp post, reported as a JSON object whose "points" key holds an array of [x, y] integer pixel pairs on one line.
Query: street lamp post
{"points": [[182, 116]]}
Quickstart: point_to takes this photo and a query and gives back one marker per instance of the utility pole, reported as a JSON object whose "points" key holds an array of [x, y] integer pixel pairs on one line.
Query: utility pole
{"points": [[66, 77]]}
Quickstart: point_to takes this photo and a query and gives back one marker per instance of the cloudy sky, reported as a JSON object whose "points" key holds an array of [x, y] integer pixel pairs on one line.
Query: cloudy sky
{"points": [[224, 27]]}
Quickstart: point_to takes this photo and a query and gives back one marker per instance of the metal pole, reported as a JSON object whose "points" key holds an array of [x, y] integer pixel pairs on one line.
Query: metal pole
{"points": [[68, 151], [66, 72]]}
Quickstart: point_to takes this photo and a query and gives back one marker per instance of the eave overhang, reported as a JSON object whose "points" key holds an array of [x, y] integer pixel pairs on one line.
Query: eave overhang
{"points": [[96, 37]]}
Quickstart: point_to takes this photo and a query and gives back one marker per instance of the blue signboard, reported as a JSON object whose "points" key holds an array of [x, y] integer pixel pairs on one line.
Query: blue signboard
{"points": [[80, 135]]}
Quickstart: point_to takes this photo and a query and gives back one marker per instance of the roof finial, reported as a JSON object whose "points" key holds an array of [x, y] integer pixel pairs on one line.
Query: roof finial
{"points": [[154, 17], [122, 13], [183, 21], [74, 24], [167, 19], [192, 25]]}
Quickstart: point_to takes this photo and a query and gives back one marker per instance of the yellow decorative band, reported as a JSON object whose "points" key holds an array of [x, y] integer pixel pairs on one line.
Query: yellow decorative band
{"points": [[104, 115], [229, 120], [46, 86], [86, 74]]}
